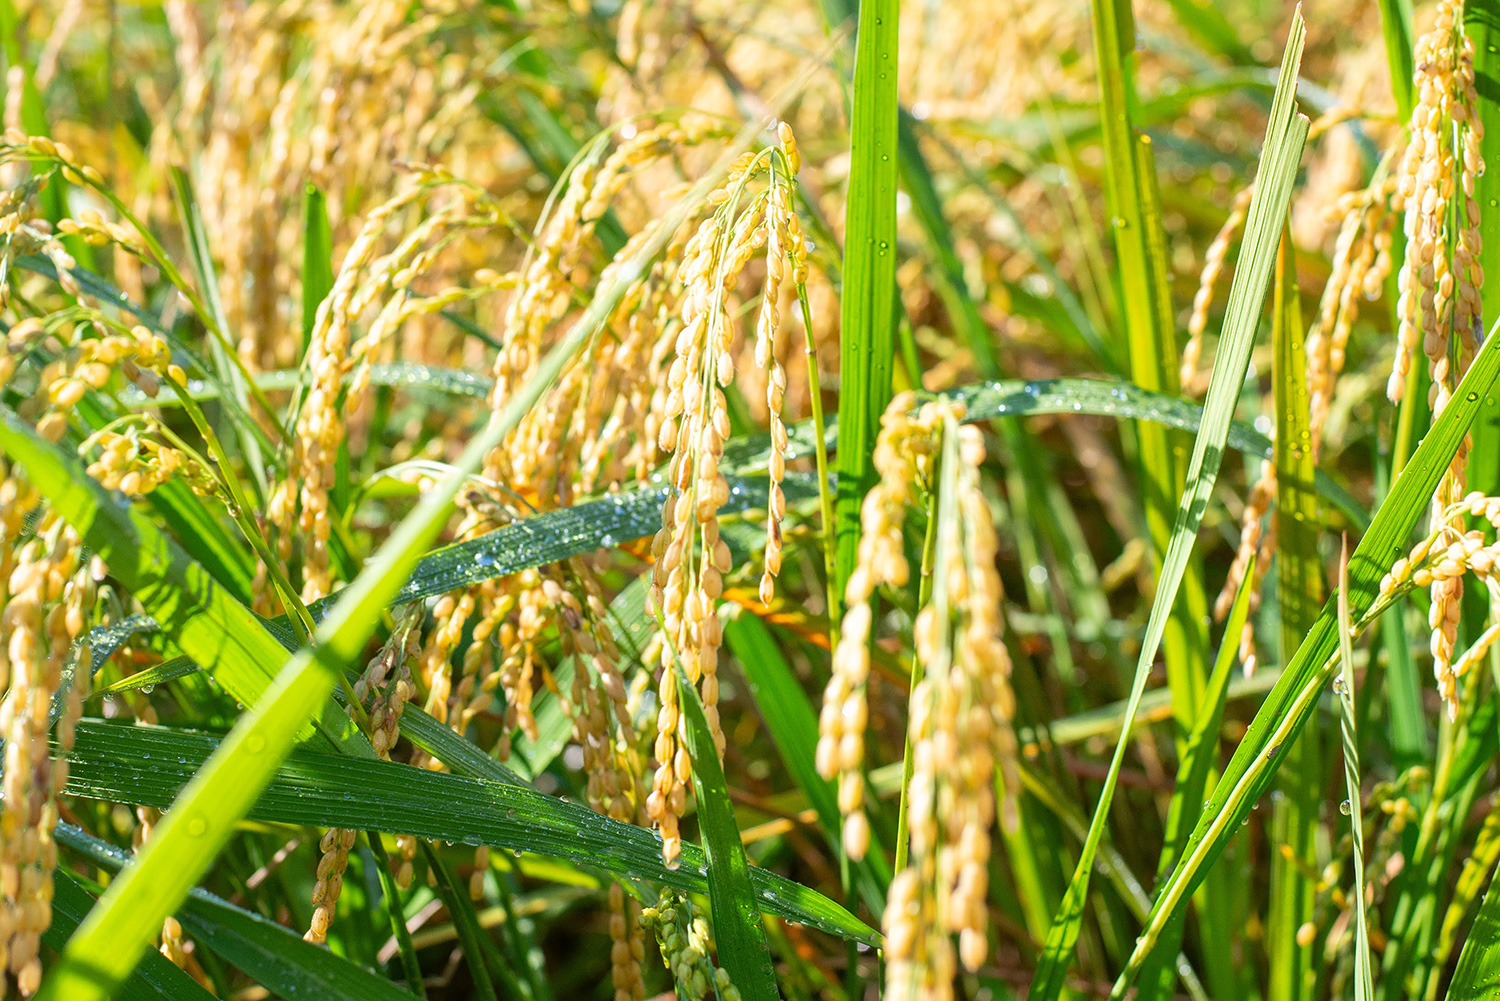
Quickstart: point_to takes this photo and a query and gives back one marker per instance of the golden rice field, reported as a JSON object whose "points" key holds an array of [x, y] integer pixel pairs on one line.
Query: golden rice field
{"points": [[818, 499]]}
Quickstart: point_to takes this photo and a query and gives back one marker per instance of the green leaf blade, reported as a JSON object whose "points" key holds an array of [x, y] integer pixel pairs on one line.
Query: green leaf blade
{"points": [[1291, 702], [867, 317], [1286, 133], [742, 948], [474, 805]]}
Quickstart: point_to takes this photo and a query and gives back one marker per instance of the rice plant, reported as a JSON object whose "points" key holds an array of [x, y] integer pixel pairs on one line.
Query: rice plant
{"points": [[946, 502]]}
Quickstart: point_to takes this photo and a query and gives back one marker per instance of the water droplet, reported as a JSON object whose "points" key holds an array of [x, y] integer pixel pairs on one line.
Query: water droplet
{"points": [[1271, 751], [1345, 808], [1120, 222], [607, 541], [517, 852], [255, 743], [484, 559], [197, 827], [1338, 686], [1473, 397], [148, 689], [510, 814]]}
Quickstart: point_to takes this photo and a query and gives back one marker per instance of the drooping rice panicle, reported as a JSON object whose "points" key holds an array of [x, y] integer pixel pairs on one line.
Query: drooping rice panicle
{"points": [[905, 456], [962, 740], [1439, 307], [1213, 265]]}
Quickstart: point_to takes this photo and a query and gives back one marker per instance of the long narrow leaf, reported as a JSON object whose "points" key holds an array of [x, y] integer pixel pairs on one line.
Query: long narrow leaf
{"points": [[1285, 135], [1478, 971], [1395, 23], [1198, 758], [737, 928], [155, 979], [276, 957], [317, 259], [200, 617], [148, 765], [1288, 706], [867, 342], [1364, 988], [793, 726], [1482, 25], [219, 345], [635, 514], [465, 925], [1295, 817]]}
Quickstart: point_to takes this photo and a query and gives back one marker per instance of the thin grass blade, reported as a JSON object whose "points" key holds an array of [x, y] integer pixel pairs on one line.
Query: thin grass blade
{"points": [[867, 317], [793, 726], [461, 913], [1199, 755], [276, 957], [1286, 133], [1288, 706], [477, 804], [219, 343], [1482, 25], [1395, 24], [742, 948], [1296, 822], [317, 259], [1364, 987]]}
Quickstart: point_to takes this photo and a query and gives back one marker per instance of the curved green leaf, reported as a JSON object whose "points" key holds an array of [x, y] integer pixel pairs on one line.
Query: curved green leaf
{"points": [[401, 375], [276, 957], [196, 613], [156, 979], [636, 514], [1285, 135], [1477, 977], [461, 910], [147, 765], [741, 944], [1286, 710]]}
